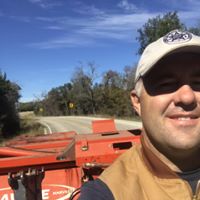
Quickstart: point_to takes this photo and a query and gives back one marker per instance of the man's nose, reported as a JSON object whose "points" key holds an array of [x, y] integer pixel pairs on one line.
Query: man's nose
{"points": [[185, 97]]}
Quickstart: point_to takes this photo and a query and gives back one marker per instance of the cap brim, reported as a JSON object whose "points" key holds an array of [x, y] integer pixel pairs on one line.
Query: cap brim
{"points": [[184, 49]]}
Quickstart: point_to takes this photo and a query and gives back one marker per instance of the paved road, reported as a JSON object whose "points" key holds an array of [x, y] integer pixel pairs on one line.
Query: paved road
{"points": [[80, 124]]}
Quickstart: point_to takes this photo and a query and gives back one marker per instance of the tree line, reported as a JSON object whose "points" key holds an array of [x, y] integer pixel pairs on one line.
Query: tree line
{"points": [[86, 95], [9, 96]]}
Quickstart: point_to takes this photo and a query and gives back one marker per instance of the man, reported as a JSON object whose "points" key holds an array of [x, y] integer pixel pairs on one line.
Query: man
{"points": [[166, 166]]}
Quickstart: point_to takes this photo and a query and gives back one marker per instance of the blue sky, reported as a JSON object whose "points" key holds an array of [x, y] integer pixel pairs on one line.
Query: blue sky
{"points": [[43, 41]]}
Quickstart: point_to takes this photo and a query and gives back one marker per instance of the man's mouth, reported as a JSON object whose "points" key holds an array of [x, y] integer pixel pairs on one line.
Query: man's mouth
{"points": [[184, 119]]}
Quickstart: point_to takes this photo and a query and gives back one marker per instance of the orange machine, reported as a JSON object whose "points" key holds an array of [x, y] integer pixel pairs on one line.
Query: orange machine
{"points": [[55, 166]]}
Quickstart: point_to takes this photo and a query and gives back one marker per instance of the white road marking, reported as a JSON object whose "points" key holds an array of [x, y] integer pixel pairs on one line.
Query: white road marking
{"points": [[47, 129]]}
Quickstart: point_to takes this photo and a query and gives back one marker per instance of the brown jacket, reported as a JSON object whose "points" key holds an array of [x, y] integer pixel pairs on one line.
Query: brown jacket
{"points": [[139, 175]]}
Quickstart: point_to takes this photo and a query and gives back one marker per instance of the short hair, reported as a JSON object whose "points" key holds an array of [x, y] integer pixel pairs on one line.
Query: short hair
{"points": [[139, 86]]}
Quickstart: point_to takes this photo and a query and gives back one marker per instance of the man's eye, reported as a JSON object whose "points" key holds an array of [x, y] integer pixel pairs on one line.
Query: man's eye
{"points": [[165, 87], [160, 86], [167, 84]]}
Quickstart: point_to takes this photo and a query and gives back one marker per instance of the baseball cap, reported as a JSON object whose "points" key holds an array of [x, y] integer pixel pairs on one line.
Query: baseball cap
{"points": [[173, 42]]}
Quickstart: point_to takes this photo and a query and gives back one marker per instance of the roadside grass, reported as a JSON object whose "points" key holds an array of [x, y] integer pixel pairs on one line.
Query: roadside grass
{"points": [[29, 126]]}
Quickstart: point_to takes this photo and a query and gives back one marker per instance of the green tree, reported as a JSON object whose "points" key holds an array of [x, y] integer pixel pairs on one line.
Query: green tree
{"points": [[56, 101], [83, 89], [79, 92], [128, 77], [195, 30], [115, 97], [27, 106], [157, 27], [9, 96]]}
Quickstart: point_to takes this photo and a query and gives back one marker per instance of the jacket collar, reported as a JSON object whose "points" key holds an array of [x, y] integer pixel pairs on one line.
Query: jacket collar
{"points": [[155, 164]]}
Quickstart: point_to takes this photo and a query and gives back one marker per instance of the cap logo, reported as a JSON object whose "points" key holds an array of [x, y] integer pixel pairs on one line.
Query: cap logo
{"points": [[176, 36]]}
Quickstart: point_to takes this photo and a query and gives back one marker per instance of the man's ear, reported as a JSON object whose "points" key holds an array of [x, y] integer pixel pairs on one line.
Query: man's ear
{"points": [[136, 102]]}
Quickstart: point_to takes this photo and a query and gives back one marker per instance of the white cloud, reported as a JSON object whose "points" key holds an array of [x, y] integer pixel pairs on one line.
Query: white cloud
{"points": [[124, 4], [87, 10], [90, 29], [93, 25], [47, 19], [46, 3], [54, 28], [68, 41]]}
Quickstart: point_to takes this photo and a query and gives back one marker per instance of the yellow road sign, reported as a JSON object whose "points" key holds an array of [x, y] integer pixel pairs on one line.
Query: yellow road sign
{"points": [[71, 105]]}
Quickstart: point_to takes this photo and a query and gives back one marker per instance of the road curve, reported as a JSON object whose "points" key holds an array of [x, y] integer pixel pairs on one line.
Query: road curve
{"points": [[81, 125]]}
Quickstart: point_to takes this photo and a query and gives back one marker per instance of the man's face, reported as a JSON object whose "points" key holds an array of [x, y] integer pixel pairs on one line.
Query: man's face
{"points": [[169, 104]]}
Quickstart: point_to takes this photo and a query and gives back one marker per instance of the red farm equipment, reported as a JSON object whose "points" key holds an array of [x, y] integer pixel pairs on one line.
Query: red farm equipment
{"points": [[55, 166]]}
